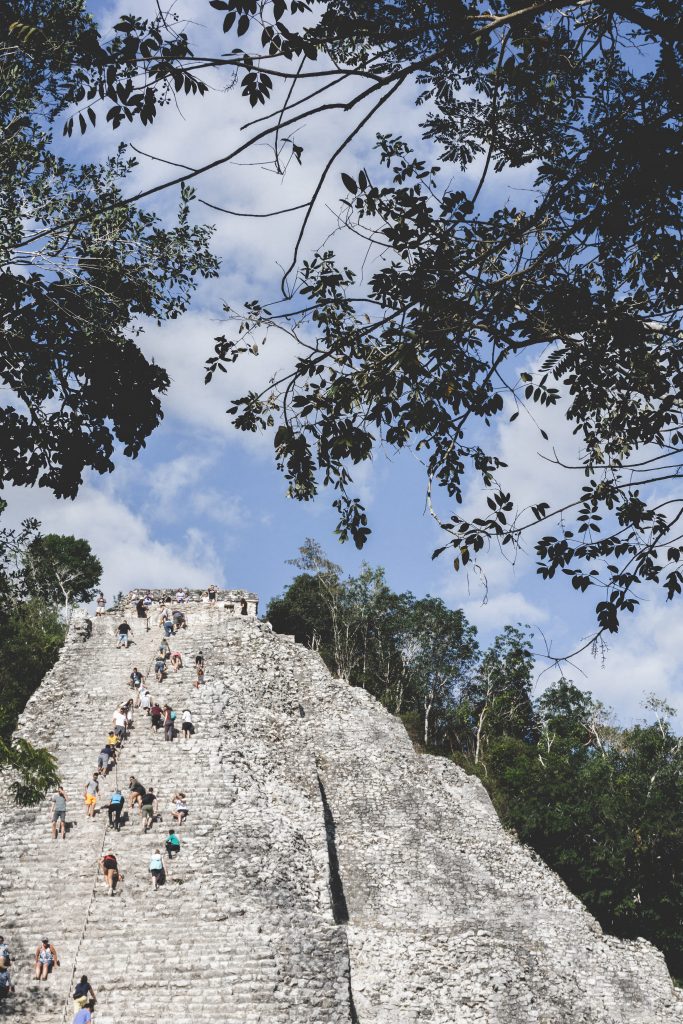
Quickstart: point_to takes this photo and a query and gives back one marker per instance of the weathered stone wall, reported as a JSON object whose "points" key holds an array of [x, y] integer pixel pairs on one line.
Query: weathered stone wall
{"points": [[328, 873]]}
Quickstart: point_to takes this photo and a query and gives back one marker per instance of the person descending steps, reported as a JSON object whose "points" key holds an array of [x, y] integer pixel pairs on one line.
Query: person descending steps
{"points": [[59, 813]]}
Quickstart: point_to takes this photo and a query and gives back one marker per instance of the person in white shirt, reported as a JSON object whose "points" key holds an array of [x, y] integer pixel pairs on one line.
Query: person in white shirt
{"points": [[187, 725], [119, 721]]}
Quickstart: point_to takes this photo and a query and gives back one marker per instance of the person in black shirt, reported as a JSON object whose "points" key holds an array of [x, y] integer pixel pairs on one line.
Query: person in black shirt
{"points": [[137, 791], [124, 631], [149, 808]]}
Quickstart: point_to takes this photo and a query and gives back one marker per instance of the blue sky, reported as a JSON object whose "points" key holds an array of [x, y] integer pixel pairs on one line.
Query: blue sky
{"points": [[205, 504]]}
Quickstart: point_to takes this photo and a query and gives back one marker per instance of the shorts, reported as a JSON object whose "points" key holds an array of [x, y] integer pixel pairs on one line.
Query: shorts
{"points": [[157, 872], [59, 816], [147, 810], [90, 799], [188, 727]]}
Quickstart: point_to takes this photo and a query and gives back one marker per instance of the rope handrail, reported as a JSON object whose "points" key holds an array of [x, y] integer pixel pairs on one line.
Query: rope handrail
{"points": [[68, 998]]}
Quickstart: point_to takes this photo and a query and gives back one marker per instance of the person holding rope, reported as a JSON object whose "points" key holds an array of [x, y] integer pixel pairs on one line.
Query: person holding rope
{"points": [[83, 994]]}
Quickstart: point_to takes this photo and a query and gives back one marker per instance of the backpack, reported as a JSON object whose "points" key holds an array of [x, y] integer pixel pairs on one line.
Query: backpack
{"points": [[173, 716]]}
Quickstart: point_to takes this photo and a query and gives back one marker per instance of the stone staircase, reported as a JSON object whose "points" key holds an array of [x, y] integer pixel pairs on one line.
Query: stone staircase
{"points": [[327, 872], [243, 930]]}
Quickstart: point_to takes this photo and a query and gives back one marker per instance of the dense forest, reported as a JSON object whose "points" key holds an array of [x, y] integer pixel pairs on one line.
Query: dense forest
{"points": [[601, 804]]}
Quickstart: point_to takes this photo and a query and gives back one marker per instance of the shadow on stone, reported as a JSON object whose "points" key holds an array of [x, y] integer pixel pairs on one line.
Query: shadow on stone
{"points": [[339, 907]]}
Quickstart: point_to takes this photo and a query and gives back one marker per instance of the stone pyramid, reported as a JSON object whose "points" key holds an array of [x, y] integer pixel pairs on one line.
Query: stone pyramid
{"points": [[328, 874]]}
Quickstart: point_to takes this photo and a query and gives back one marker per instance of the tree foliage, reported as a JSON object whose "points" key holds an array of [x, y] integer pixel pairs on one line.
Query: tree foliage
{"points": [[41, 576], [484, 303], [602, 804], [62, 569], [73, 300]]}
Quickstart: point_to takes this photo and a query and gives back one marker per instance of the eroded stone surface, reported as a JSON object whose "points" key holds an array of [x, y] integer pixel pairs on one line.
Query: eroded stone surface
{"points": [[328, 873]]}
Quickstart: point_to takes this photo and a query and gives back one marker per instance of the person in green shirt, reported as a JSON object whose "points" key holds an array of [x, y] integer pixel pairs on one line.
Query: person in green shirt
{"points": [[172, 844]]}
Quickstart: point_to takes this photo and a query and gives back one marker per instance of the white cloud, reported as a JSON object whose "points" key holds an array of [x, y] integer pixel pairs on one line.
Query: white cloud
{"points": [[123, 539], [645, 657]]}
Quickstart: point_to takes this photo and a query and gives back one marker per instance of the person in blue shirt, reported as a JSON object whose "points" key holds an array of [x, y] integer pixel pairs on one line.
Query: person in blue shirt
{"points": [[84, 1015], [115, 809]]}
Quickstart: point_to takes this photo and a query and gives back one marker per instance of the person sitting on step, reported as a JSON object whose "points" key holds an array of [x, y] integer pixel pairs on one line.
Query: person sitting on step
{"points": [[172, 844], [110, 869], [46, 959], [148, 806], [180, 808]]}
